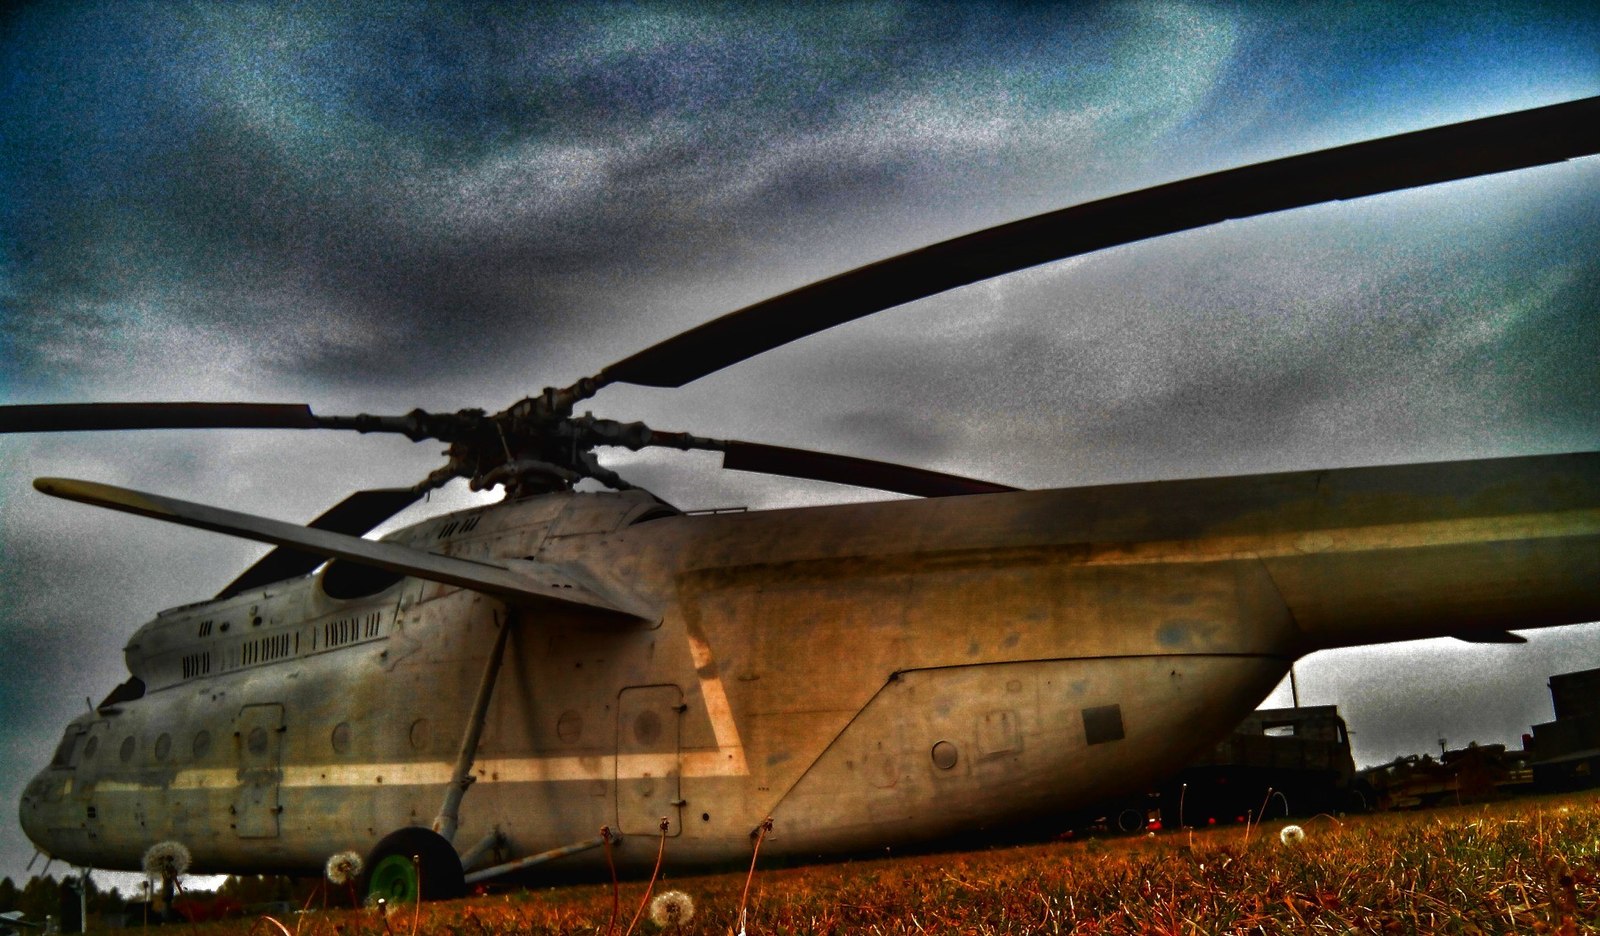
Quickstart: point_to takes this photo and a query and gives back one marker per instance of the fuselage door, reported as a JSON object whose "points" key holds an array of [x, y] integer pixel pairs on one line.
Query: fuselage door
{"points": [[648, 768], [258, 738]]}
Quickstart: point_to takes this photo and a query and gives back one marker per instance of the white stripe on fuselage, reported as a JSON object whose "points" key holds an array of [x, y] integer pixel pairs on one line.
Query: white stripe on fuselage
{"points": [[719, 763], [1371, 538]]}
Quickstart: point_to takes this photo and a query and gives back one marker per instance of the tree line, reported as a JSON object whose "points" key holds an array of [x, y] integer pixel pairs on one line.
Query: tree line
{"points": [[45, 895]]}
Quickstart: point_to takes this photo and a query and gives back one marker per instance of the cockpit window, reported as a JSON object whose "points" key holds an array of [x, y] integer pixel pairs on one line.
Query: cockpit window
{"points": [[67, 751]]}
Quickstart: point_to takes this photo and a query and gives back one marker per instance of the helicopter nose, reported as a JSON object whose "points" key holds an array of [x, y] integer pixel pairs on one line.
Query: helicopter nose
{"points": [[41, 799], [28, 811]]}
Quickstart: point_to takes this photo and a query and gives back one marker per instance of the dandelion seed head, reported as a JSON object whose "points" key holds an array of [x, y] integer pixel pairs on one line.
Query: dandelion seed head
{"points": [[671, 908], [344, 867], [1292, 835], [166, 861]]}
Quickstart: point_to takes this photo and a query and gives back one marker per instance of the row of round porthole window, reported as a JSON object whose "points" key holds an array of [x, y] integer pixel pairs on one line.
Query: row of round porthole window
{"points": [[343, 736], [202, 744], [340, 740]]}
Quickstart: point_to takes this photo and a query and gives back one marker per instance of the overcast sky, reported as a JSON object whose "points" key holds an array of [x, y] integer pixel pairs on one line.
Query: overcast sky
{"points": [[421, 205]]}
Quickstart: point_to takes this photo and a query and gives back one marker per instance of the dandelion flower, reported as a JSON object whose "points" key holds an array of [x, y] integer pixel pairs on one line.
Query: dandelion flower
{"points": [[344, 867], [166, 861], [671, 908], [1292, 835]]}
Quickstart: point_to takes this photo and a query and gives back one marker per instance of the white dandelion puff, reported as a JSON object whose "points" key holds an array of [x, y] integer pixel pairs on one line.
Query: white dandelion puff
{"points": [[671, 908], [1292, 835], [344, 867], [166, 861]]}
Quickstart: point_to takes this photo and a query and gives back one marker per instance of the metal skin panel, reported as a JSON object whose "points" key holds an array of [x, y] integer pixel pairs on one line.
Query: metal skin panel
{"points": [[648, 766], [879, 784], [258, 745], [821, 654]]}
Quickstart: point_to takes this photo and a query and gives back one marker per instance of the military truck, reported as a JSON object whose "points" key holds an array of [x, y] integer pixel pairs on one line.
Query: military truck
{"points": [[1566, 752], [1301, 755]]}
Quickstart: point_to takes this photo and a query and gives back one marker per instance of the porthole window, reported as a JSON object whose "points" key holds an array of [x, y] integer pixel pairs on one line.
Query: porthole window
{"points": [[127, 749], [646, 728], [90, 748], [163, 746], [202, 743], [569, 727], [419, 735], [944, 755], [257, 742], [341, 738]]}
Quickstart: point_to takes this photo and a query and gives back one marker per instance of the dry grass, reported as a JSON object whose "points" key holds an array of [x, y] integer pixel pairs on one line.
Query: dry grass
{"points": [[1530, 866]]}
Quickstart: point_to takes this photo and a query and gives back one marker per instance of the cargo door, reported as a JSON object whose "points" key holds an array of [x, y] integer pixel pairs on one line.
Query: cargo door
{"points": [[648, 727], [258, 738]]}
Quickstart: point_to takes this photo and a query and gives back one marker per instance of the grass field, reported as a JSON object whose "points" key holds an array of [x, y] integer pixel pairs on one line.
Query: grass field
{"points": [[1526, 866]]}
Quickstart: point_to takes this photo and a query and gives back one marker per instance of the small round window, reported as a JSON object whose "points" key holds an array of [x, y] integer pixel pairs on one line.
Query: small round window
{"points": [[127, 749], [341, 738]]}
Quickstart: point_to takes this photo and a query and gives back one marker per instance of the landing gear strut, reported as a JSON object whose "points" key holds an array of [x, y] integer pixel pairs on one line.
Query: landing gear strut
{"points": [[415, 863]]}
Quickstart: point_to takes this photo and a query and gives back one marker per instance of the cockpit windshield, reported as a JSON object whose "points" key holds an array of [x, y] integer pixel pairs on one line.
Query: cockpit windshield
{"points": [[67, 750]]}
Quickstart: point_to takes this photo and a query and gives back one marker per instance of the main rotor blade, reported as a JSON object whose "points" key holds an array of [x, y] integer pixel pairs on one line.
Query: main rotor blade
{"points": [[844, 469], [1425, 157], [88, 417], [355, 515]]}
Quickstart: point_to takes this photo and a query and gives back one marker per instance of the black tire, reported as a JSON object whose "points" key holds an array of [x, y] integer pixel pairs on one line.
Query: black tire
{"points": [[391, 874]]}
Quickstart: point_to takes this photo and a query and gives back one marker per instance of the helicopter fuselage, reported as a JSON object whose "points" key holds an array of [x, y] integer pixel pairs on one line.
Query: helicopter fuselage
{"points": [[870, 675]]}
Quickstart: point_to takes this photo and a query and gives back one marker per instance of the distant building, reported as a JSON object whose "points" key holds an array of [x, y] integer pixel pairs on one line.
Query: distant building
{"points": [[1471, 774]]}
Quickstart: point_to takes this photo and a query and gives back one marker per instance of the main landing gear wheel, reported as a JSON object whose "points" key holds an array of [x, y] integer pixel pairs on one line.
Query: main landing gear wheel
{"points": [[393, 875]]}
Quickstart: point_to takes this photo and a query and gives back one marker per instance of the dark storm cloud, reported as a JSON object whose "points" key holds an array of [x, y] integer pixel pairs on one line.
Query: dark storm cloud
{"points": [[451, 179]]}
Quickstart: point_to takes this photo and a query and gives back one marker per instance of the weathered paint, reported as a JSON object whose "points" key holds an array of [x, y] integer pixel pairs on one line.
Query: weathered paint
{"points": [[870, 675]]}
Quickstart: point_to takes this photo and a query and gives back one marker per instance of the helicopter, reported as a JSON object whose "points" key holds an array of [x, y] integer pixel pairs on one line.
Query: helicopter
{"points": [[582, 676]]}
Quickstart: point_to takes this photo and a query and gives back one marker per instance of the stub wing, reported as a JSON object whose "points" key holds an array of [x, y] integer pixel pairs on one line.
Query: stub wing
{"points": [[530, 583]]}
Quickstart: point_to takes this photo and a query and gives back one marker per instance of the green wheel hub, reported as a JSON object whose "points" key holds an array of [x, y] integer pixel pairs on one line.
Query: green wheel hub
{"points": [[411, 864], [394, 879]]}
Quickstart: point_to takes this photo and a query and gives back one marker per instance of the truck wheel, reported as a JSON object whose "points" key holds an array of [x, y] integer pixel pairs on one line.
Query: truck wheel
{"points": [[413, 862]]}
